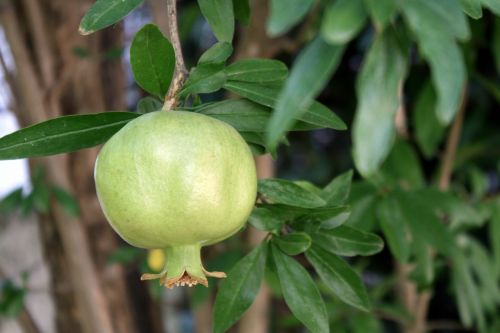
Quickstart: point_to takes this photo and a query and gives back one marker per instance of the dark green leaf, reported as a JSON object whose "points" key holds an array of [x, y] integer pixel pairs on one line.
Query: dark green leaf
{"points": [[204, 79], [310, 73], [294, 243], [242, 10], [373, 128], [493, 5], [363, 200], [327, 218], [280, 191], [11, 201], [66, 200], [11, 299], [266, 219], [217, 54], [257, 70], [220, 17], [435, 24], [343, 20], [348, 241], [238, 291], [419, 211], [381, 11], [152, 59], [284, 14], [300, 293], [428, 130], [317, 114], [339, 277], [402, 168], [149, 104], [337, 191], [472, 8], [395, 228], [63, 135], [104, 13]]}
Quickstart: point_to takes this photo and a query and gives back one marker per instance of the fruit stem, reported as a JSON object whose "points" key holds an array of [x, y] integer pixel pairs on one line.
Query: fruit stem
{"points": [[183, 267]]}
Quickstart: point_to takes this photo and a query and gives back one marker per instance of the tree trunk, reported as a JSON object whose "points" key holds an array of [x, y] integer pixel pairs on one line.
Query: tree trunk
{"points": [[50, 80]]}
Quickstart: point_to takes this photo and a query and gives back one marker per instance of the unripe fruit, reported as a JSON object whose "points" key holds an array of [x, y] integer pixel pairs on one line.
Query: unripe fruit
{"points": [[177, 181]]}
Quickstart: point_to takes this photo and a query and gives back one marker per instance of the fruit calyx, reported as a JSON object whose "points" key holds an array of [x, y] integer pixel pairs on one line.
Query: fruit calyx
{"points": [[183, 267]]}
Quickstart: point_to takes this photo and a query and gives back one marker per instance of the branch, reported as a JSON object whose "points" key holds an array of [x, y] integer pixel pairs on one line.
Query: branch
{"points": [[452, 144], [180, 67]]}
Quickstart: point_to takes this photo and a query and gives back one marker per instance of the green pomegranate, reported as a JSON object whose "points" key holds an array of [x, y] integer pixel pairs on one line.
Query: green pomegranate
{"points": [[177, 181]]}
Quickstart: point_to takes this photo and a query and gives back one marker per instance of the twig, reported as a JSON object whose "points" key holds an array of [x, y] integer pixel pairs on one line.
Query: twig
{"points": [[180, 67], [452, 144]]}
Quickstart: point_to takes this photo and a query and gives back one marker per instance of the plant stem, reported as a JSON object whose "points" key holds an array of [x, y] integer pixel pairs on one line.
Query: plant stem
{"points": [[180, 67], [452, 144]]}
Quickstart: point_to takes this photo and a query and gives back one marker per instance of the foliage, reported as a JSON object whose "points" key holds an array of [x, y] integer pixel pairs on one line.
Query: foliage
{"points": [[313, 232]]}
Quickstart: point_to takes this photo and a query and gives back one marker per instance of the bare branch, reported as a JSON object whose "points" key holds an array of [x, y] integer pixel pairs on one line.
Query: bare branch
{"points": [[180, 67]]}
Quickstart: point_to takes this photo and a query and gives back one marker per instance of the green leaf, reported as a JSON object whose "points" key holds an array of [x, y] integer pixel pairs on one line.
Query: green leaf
{"points": [[152, 59], [11, 201], [381, 11], [11, 299], [466, 292], [294, 243], [63, 135], [257, 70], [267, 219], [472, 8], [317, 114], [435, 24], [217, 54], [67, 201], [240, 113], [310, 73], [494, 236], [337, 191], [339, 277], [237, 292], [325, 217], [280, 191], [428, 130], [300, 293], [149, 104], [493, 5], [348, 241], [419, 212], [373, 128], [204, 79], [402, 168], [395, 228], [284, 14], [104, 13], [220, 17], [363, 199], [423, 273], [242, 10], [343, 20]]}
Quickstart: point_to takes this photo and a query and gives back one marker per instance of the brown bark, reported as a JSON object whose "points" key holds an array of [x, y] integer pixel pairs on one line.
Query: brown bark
{"points": [[50, 81]]}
